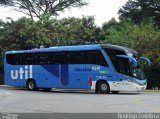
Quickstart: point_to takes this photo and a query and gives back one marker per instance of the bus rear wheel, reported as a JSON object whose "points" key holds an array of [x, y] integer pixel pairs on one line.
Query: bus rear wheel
{"points": [[103, 87], [31, 85]]}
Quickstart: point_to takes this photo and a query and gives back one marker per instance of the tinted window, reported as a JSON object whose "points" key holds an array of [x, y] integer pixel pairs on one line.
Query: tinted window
{"points": [[51, 58], [79, 57], [42, 58], [123, 66], [58, 58], [95, 57], [111, 52], [112, 55], [26, 59], [10, 58], [37, 58], [76, 58], [20, 59]]}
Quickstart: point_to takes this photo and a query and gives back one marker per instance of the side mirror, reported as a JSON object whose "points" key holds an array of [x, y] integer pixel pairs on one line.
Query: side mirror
{"points": [[146, 59], [132, 60]]}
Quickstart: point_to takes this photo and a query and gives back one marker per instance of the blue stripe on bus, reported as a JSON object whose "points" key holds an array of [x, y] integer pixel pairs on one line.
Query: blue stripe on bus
{"points": [[64, 75], [54, 70]]}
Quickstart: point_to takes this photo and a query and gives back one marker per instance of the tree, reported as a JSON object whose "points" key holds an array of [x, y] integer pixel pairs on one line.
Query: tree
{"points": [[73, 31], [38, 8], [27, 34], [106, 26], [143, 37], [24, 34], [1, 35], [84, 30], [141, 10]]}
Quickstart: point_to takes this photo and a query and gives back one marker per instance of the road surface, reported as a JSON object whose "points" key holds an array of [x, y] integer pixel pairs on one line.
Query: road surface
{"points": [[15, 100]]}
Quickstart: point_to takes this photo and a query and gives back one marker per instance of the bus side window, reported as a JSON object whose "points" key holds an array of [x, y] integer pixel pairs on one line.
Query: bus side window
{"points": [[59, 58], [40, 58], [18, 59], [95, 57], [76, 57], [10, 59], [14, 59], [27, 59]]}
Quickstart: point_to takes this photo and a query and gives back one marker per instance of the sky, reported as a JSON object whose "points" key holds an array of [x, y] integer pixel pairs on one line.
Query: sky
{"points": [[102, 10]]}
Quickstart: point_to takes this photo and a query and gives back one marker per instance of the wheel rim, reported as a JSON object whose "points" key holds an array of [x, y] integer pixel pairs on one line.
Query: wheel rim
{"points": [[31, 85], [104, 87]]}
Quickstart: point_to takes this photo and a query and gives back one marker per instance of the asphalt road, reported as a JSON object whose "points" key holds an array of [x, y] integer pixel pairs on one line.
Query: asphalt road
{"points": [[17, 100]]}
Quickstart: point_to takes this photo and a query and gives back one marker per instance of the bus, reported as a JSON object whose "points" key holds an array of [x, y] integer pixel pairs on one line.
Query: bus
{"points": [[103, 68]]}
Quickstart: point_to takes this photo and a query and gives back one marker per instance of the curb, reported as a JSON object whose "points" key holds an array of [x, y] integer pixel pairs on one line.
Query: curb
{"points": [[151, 91]]}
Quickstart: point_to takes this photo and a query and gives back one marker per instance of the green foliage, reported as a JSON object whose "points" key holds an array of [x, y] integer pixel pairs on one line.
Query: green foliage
{"points": [[141, 10], [78, 31], [72, 31], [24, 34], [144, 38], [27, 34], [38, 8]]}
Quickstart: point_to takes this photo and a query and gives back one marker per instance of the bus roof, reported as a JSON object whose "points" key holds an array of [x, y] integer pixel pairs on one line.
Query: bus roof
{"points": [[73, 48], [116, 47]]}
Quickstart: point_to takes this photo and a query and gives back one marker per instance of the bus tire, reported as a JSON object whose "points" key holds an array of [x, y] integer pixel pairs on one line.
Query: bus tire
{"points": [[31, 85], [103, 87]]}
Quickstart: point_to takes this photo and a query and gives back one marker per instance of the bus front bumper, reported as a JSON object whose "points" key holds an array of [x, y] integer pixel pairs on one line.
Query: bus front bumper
{"points": [[126, 86]]}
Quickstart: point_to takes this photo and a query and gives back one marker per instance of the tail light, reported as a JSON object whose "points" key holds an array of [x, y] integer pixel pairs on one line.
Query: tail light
{"points": [[90, 81]]}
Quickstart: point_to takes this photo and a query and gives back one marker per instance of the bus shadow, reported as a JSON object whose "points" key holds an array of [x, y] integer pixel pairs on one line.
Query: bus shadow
{"points": [[89, 92], [72, 91], [127, 93]]}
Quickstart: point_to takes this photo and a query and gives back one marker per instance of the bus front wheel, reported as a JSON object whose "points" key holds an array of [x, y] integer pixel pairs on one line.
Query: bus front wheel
{"points": [[103, 87], [31, 85]]}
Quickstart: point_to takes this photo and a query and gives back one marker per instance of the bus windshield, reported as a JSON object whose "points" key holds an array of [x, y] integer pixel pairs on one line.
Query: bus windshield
{"points": [[123, 66], [138, 73]]}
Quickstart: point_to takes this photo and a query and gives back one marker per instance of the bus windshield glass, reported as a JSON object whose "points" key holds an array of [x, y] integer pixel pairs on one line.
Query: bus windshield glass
{"points": [[138, 73], [123, 65]]}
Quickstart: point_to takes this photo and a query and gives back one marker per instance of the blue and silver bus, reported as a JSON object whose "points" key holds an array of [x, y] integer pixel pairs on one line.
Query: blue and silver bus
{"points": [[102, 67]]}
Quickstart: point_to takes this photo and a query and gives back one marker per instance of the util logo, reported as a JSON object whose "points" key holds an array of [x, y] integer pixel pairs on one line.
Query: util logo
{"points": [[22, 73]]}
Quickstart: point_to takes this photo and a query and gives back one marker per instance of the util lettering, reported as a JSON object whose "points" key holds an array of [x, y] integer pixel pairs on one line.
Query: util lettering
{"points": [[22, 73]]}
